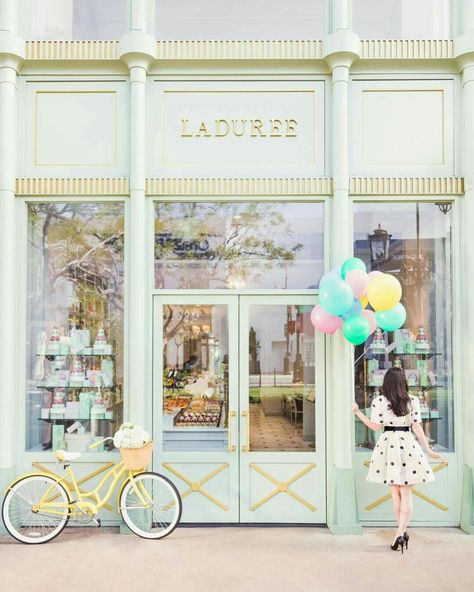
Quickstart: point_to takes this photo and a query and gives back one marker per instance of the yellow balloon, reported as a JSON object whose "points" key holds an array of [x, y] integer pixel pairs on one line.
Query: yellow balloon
{"points": [[363, 300], [384, 292]]}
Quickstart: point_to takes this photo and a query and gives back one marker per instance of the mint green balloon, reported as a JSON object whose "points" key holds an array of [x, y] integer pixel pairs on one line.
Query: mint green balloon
{"points": [[356, 329], [391, 319], [350, 264], [336, 296]]}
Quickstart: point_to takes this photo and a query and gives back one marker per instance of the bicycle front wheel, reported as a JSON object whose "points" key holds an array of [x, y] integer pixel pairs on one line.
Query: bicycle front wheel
{"points": [[35, 509], [150, 505]]}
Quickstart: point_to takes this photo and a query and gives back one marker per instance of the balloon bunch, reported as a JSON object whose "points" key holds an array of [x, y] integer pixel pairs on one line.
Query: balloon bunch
{"points": [[344, 295]]}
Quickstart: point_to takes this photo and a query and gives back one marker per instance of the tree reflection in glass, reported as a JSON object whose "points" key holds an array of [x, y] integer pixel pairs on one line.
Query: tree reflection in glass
{"points": [[238, 245], [75, 290]]}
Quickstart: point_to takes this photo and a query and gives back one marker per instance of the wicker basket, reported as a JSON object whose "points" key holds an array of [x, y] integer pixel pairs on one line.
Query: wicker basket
{"points": [[136, 459]]}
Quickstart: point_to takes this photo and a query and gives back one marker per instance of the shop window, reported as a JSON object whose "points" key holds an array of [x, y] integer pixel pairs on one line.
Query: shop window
{"points": [[402, 19], [247, 19], [413, 242], [76, 19], [264, 245], [74, 324]]}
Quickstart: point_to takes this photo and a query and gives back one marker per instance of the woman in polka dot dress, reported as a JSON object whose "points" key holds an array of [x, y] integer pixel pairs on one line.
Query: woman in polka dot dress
{"points": [[397, 459]]}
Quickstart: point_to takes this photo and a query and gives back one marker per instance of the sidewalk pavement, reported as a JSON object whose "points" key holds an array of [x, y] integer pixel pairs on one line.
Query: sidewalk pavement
{"points": [[240, 559]]}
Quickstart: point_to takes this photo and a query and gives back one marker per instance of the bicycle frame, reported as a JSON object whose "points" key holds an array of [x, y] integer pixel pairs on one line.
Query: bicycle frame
{"points": [[117, 472]]}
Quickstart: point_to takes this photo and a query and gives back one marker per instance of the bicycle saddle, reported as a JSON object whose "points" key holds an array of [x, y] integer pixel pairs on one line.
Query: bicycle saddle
{"points": [[64, 456]]}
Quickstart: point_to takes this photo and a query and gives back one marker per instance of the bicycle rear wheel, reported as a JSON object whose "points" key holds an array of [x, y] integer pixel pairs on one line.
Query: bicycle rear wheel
{"points": [[28, 523], [150, 505]]}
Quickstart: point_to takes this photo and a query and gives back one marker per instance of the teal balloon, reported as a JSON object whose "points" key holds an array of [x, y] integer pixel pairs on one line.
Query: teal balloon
{"points": [[350, 264], [333, 274], [356, 329], [336, 296], [391, 319], [354, 310]]}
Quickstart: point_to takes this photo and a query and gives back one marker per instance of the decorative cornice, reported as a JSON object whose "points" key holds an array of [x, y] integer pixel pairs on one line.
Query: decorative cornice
{"points": [[71, 50], [407, 186], [72, 186], [226, 186], [240, 50], [376, 49], [299, 186], [406, 49]]}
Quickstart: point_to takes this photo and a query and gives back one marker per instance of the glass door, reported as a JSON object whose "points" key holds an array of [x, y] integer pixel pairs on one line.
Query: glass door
{"points": [[254, 457], [282, 417], [196, 402]]}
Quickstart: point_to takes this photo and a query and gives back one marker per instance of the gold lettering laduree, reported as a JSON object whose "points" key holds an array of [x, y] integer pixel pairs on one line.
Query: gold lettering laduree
{"points": [[251, 128]]}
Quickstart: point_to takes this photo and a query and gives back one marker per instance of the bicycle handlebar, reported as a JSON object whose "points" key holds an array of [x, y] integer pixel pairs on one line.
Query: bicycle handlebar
{"points": [[99, 442]]}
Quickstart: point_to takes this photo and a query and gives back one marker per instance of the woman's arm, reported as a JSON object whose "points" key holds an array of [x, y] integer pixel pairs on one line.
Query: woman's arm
{"points": [[420, 434], [365, 420]]}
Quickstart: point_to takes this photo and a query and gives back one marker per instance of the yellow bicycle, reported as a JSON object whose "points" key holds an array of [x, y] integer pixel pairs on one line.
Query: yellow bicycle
{"points": [[38, 506]]}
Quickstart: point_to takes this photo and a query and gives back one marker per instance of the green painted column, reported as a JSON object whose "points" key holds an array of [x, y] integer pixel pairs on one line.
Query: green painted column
{"points": [[464, 52], [340, 50]]}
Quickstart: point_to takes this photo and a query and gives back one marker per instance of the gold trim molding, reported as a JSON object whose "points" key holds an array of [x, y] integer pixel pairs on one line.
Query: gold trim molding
{"points": [[71, 186], [406, 49], [407, 186], [227, 186], [298, 186], [71, 50], [373, 49], [240, 50]]}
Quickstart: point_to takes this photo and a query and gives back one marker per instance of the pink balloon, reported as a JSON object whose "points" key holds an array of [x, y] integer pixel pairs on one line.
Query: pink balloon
{"points": [[325, 322], [370, 316], [373, 274], [358, 280]]}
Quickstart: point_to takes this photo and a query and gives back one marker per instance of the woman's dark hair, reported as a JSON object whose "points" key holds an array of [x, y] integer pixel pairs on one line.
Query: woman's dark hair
{"points": [[395, 390]]}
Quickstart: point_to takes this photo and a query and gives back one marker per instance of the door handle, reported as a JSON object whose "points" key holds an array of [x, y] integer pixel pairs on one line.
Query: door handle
{"points": [[230, 446], [246, 447]]}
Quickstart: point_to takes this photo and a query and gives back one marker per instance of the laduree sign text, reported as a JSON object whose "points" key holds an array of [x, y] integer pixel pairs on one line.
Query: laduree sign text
{"points": [[251, 128]]}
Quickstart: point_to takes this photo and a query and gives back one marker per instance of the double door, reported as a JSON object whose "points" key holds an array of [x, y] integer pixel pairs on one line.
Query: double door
{"points": [[239, 407]]}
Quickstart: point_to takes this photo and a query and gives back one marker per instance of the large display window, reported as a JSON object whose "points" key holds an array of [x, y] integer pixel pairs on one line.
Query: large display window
{"points": [[75, 19], [75, 313], [413, 242], [266, 245], [247, 19], [402, 19]]}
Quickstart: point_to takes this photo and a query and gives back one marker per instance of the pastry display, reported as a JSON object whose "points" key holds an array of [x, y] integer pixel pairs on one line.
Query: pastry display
{"points": [[200, 413], [378, 342], [77, 375], [171, 404], [54, 341], [421, 343]]}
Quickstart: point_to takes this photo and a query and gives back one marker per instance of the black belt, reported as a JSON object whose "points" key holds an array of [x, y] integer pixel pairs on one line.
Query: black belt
{"points": [[396, 429]]}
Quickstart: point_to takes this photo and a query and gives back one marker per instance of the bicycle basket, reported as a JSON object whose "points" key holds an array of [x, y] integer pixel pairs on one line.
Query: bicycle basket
{"points": [[135, 459]]}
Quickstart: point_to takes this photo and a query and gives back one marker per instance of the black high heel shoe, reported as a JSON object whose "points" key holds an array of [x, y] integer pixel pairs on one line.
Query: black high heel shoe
{"points": [[406, 536], [398, 542]]}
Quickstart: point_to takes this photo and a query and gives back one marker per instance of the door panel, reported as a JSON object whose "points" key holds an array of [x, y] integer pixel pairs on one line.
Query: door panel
{"points": [[195, 410], [282, 466], [263, 460]]}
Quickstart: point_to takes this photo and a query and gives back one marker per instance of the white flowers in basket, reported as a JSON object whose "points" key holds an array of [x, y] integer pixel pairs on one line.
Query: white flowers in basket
{"points": [[131, 436]]}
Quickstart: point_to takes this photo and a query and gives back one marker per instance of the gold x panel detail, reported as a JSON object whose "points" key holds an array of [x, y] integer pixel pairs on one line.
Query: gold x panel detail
{"points": [[282, 487], [84, 479], [196, 486], [421, 495]]}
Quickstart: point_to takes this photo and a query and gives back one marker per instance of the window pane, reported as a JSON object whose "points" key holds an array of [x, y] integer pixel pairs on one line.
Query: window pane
{"points": [[247, 19], [195, 377], [417, 250], [402, 19], [77, 19], [281, 387], [75, 324], [238, 245]]}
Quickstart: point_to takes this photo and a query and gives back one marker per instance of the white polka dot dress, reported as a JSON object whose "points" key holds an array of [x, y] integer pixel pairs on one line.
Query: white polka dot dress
{"points": [[397, 458]]}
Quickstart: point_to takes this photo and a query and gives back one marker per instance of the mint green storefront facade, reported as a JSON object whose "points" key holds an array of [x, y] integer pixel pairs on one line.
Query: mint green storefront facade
{"points": [[168, 206]]}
